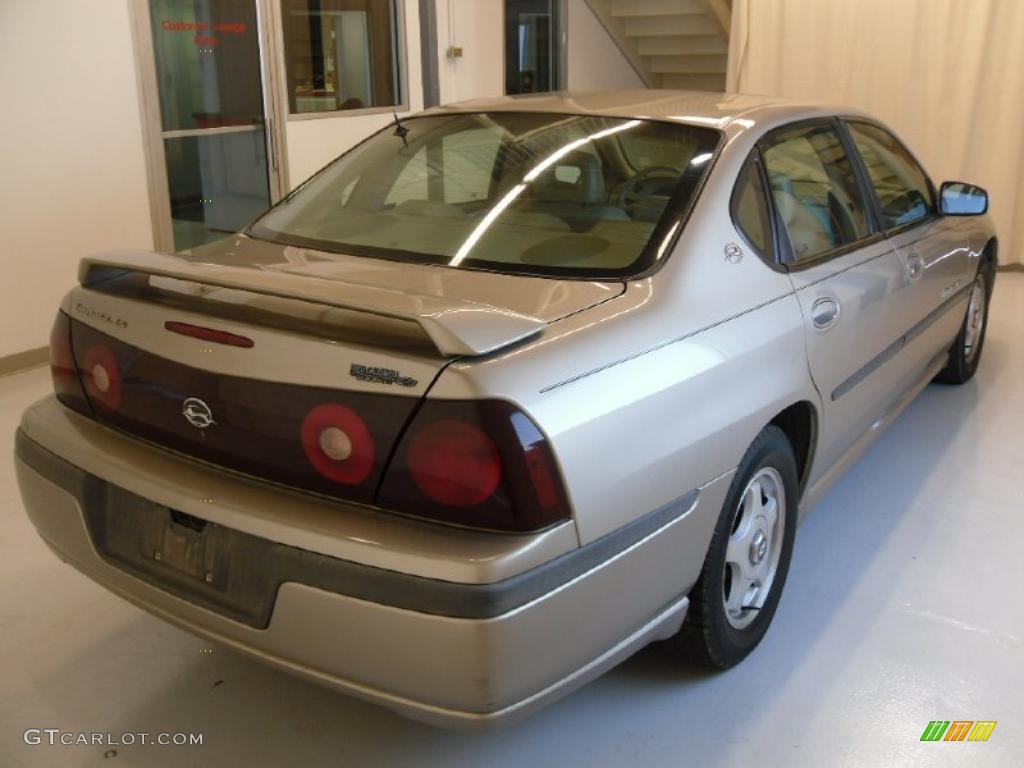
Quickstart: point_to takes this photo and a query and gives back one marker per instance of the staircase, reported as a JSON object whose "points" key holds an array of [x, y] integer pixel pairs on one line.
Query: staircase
{"points": [[671, 43]]}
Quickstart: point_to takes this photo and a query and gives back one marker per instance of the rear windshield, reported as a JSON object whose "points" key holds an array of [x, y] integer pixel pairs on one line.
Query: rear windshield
{"points": [[526, 193]]}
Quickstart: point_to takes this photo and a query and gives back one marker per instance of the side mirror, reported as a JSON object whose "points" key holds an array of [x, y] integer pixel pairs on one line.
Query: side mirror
{"points": [[958, 198]]}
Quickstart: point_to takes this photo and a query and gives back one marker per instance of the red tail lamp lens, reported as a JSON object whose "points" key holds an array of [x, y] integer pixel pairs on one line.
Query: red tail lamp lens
{"points": [[454, 463], [544, 484], [479, 463], [102, 377], [66, 383], [338, 443], [62, 363], [209, 334]]}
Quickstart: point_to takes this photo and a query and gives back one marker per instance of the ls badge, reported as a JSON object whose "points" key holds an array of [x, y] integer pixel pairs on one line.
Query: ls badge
{"points": [[377, 375]]}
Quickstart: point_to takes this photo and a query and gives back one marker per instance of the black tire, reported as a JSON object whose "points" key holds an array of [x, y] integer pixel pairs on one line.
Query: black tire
{"points": [[708, 637], [962, 363]]}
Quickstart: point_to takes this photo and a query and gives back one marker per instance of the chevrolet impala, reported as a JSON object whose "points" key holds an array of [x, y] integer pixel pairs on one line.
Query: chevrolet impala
{"points": [[508, 391]]}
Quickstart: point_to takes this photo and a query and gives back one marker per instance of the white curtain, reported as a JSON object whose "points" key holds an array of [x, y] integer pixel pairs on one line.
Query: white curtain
{"points": [[946, 75]]}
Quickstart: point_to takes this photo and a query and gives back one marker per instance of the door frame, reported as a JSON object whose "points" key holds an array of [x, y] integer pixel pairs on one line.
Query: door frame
{"points": [[152, 126]]}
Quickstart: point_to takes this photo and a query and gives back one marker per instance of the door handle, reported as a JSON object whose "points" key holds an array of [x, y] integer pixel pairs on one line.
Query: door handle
{"points": [[825, 313], [915, 266]]}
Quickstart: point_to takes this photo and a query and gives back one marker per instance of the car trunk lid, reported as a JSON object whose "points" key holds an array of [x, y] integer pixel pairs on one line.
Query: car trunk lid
{"points": [[247, 363]]}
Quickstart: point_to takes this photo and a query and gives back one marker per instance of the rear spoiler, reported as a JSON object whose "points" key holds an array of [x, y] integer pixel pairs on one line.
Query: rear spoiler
{"points": [[456, 327]]}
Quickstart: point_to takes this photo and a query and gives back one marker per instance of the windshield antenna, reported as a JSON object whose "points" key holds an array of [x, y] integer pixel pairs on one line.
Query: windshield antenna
{"points": [[401, 130]]}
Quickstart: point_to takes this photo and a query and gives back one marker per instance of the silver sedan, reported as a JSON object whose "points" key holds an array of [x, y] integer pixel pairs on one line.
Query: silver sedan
{"points": [[508, 391]]}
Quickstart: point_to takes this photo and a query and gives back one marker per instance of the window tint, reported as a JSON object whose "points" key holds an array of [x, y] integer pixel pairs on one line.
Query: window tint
{"points": [[468, 161], [901, 186], [815, 190], [749, 209], [411, 182], [644, 149], [533, 193]]}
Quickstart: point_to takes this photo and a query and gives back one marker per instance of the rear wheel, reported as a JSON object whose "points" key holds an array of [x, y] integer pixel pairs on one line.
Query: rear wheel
{"points": [[745, 569], [965, 354]]}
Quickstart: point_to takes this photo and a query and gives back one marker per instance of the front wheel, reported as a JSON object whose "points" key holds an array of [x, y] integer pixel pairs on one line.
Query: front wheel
{"points": [[965, 354], [745, 569]]}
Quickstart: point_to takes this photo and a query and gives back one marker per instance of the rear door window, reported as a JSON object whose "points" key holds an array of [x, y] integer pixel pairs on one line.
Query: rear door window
{"points": [[815, 189], [750, 210]]}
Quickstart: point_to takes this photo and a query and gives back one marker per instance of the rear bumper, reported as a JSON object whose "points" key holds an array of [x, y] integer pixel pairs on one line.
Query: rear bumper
{"points": [[455, 654]]}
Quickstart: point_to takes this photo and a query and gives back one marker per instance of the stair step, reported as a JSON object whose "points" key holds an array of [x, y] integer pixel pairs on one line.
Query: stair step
{"points": [[692, 82], [688, 64], [669, 26], [624, 8], [681, 45]]}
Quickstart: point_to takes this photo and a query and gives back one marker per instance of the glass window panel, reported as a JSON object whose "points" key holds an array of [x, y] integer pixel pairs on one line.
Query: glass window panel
{"points": [[517, 192], [531, 43], [340, 54], [815, 190], [902, 187], [411, 183], [750, 211], [469, 158], [217, 184], [207, 63]]}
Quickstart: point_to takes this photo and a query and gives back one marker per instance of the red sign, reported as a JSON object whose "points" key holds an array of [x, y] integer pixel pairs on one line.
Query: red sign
{"points": [[203, 30]]}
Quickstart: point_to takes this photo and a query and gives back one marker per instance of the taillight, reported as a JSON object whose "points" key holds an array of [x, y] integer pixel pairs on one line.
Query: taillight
{"points": [[209, 334], [66, 384], [102, 377], [338, 443], [454, 463], [479, 463]]}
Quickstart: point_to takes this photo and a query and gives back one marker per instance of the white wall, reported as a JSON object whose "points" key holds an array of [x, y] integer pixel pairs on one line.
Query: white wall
{"points": [[312, 143], [594, 61], [477, 26], [74, 173]]}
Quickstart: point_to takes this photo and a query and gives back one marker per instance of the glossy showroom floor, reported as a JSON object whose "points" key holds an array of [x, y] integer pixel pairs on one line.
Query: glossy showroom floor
{"points": [[905, 604]]}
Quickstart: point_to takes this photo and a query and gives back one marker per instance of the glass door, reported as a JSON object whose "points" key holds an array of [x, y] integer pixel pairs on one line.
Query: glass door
{"points": [[214, 166]]}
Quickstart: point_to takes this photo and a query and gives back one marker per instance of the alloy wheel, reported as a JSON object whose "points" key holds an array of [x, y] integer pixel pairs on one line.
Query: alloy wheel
{"points": [[755, 544], [975, 320]]}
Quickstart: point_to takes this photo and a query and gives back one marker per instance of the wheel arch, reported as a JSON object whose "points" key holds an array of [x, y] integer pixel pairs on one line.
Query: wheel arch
{"points": [[799, 422], [990, 253]]}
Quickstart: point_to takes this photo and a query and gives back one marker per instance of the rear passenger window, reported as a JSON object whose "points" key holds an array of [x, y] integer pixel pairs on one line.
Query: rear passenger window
{"points": [[750, 209], [902, 187], [814, 189]]}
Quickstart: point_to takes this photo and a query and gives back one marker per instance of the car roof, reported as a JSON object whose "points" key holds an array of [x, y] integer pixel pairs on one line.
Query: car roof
{"points": [[718, 110]]}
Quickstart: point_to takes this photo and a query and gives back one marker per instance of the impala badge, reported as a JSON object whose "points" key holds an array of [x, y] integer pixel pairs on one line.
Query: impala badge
{"points": [[197, 413]]}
